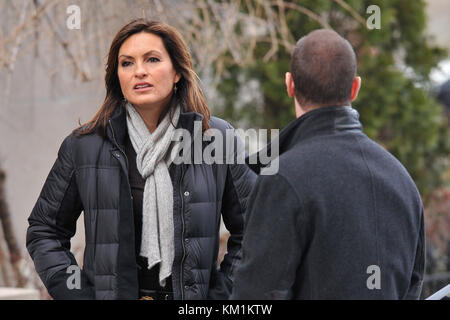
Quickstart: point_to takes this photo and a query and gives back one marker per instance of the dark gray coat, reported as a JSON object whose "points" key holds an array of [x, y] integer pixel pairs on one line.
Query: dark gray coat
{"points": [[339, 206], [91, 175]]}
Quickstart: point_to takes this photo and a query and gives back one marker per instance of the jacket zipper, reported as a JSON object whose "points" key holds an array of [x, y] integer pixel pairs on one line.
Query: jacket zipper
{"points": [[182, 235], [126, 159], [117, 145]]}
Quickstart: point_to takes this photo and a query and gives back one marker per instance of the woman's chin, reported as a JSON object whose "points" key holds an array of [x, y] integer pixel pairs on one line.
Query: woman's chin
{"points": [[141, 103]]}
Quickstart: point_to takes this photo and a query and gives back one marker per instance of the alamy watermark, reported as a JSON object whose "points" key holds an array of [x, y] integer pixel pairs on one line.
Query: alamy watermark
{"points": [[374, 280], [74, 280], [374, 20], [73, 21], [217, 147]]}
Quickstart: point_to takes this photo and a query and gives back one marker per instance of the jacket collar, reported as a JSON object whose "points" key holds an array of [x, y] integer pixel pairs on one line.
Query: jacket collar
{"points": [[117, 130], [320, 121]]}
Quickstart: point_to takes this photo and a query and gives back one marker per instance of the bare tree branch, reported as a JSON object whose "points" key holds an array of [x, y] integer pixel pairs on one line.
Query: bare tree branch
{"points": [[65, 45], [23, 26], [273, 34], [15, 50], [352, 11], [305, 11], [286, 35]]}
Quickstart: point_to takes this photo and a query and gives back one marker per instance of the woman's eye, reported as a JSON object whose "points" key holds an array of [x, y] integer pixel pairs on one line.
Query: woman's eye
{"points": [[126, 63], [153, 59]]}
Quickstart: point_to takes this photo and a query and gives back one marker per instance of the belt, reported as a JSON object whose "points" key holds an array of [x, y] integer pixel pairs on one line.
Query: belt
{"points": [[155, 295]]}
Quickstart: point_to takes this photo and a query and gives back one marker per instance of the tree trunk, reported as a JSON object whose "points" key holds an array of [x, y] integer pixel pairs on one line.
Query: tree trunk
{"points": [[8, 233], [4, 274]]}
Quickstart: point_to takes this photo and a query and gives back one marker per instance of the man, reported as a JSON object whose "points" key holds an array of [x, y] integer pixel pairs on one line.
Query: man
{"points": [[342, 218]]}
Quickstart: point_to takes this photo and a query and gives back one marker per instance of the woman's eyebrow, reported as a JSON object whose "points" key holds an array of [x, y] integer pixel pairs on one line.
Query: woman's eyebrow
{"points": [[144, 55], [151, 52], [125, 56]]}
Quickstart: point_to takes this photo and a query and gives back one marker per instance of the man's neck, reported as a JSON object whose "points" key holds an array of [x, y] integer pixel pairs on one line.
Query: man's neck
{"points": [[301, 110]]}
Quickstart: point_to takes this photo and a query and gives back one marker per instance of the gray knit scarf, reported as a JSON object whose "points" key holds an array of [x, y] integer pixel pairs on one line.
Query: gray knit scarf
{"points": [[153, 160]]}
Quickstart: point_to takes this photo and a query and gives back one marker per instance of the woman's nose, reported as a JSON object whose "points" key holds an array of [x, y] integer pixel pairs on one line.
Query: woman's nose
{"points": [[140, 71]]}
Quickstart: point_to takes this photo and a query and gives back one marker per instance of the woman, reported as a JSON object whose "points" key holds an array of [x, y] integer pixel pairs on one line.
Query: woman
{"points": [[152, 226]]}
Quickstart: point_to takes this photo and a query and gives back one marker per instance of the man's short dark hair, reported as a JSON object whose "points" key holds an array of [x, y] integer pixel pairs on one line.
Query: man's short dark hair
{"points": [[323, 67]]}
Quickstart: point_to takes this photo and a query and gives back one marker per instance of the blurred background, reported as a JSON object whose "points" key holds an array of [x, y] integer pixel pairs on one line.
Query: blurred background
{"points": [[52, 70]]}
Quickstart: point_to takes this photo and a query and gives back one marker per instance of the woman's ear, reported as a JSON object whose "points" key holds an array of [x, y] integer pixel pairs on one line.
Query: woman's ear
{"points": [[177, 78]]}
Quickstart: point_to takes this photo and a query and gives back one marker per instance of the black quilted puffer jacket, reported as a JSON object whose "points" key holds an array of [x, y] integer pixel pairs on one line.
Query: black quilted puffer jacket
{"points": [[91, 175]]}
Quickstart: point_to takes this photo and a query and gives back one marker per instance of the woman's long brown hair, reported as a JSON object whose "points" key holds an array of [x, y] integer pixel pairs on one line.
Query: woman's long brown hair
{"points": [[188, 92]]}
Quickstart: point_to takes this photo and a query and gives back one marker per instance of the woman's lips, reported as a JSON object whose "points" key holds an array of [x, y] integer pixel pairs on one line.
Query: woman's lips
{"points": [[142, 87]]}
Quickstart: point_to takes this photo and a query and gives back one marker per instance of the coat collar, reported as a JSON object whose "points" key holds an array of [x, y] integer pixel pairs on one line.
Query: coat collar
{"points": [[321, 121]]}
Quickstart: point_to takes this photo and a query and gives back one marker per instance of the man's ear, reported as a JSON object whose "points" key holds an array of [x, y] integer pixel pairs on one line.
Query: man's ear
{"points": [[356, 85], [290, 87]]}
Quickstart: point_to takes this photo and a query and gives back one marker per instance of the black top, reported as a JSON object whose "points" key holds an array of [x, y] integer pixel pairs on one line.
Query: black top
{"points": [[148, 279]]}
